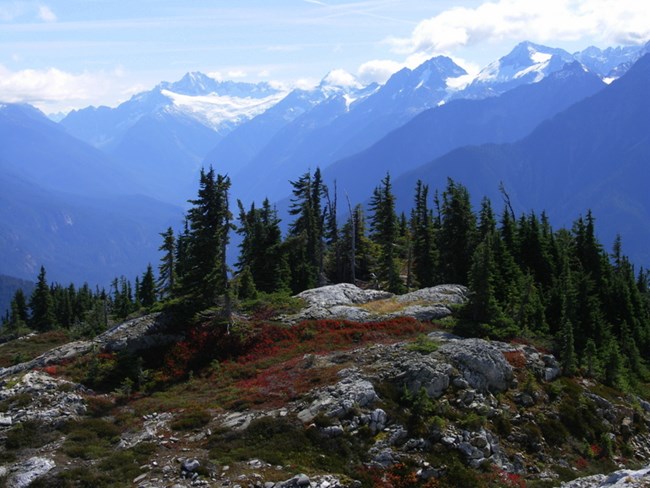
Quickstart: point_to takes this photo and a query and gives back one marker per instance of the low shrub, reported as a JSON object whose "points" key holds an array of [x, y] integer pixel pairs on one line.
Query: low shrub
{"points": [[191, 419]]}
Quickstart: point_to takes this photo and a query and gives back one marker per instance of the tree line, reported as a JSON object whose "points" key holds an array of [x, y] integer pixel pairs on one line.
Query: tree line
{"points": [[83, 310], [526, 279]]}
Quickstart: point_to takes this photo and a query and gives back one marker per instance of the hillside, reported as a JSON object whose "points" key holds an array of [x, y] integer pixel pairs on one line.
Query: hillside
{"points": [[278, 399]]}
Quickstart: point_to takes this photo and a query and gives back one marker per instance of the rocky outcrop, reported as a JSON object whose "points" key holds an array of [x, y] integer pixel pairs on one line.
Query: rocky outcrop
{"points": [[22, 474], [343, 301], [51, 400], [624, 478], [353, 391], [133, 335], [482, 364]]}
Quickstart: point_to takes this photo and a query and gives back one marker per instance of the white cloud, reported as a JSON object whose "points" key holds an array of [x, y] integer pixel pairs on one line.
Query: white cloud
{"points": [[237, 73], [54, 90], [609, 21], [11, 11], [378, 70], [340, 77], [45, 14]]}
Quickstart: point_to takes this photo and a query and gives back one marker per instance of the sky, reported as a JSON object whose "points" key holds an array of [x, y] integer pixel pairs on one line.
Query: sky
{"points": [[64, 54]]}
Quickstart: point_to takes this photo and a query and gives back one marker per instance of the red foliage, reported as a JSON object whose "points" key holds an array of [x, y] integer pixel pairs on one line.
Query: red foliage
{"points": [[268, 341], [581, 463], [517, 359], [52, 370], [595, 450]]}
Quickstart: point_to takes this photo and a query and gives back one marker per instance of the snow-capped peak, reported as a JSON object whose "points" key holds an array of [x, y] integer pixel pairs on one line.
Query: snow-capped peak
{"points": [[526, 63]]}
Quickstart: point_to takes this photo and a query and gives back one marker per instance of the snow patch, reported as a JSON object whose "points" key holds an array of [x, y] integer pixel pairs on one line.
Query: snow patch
{"points": [[213, 110], [540, 58]]}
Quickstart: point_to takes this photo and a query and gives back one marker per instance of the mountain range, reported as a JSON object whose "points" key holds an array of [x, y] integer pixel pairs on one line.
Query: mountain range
{"points": [[593, 155], [88, 196]]}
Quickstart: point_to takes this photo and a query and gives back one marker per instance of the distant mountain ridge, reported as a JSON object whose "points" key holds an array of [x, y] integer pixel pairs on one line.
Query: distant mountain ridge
{"points": [[458, 123], [593, 155]]}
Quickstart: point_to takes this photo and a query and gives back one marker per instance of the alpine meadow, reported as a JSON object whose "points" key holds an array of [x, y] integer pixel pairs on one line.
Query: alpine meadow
{"points": [[354, 245]]}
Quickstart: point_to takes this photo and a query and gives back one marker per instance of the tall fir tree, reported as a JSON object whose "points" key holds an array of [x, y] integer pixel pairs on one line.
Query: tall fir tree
{"points": [[457, 236], [384, 227], [260, 249], [42, 305], [167, 266], [205, 276], [305, 242], [147, 289], [425, 252]]}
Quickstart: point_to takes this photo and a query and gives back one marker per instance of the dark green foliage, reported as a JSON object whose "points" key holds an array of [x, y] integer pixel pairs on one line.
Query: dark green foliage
{"points": [[458, 235], [384, 228], [425, 252], [42, 305], [204, 274], [147, 288], [246, 289], [261, 249], [305, 243], [167, 267]]}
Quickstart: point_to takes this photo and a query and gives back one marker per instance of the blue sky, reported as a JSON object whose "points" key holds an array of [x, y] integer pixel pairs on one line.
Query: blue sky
{"points": [[63, 54]]}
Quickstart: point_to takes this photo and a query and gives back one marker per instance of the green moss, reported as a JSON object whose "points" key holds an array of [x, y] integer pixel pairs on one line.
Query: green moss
{"points": [[423, 344]]}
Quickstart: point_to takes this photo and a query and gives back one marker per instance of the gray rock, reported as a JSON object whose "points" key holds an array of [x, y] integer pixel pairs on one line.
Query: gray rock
{"points": [[133, 335], [422, 312], [619, 479], [440, 294], [481, 362], [25, 472], [190, 465], [338, 400]]}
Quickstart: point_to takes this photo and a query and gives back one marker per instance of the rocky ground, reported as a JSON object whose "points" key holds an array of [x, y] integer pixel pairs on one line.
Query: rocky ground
{"points": [[429, 411]]}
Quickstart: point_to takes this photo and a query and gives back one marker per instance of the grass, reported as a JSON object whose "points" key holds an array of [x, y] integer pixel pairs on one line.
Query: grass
{"points": [[25, 349]]}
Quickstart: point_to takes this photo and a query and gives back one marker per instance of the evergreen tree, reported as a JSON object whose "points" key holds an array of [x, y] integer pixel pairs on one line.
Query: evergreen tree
{"points": [[147, 292], [567, 351], [457, 236], [18, 315], [261, 248], [590, 359], [167, 267], [305, 243], [425, 253], [356, 248], [483, 306], [384, 226], [205, 276], [246, 287], [42, 305]]}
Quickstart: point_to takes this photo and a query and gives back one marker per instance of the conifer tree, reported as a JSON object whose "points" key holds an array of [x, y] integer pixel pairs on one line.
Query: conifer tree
{"points": [[167, 266], [261, 249], [147, 292], [483, 306], [305, 243], [384, 226], [246, 288], [205, 276], [567, 351], [42, 305], [425, 252], [18, 314]]}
